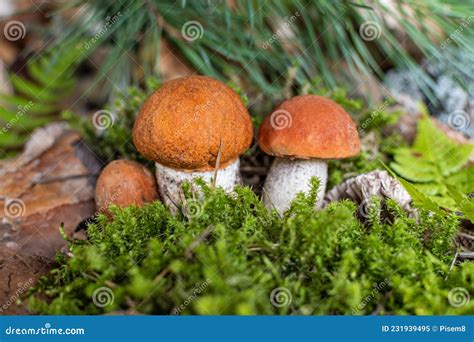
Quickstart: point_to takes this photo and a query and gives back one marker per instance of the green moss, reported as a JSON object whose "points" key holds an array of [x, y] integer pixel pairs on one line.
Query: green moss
{"points": [[229, 254]]}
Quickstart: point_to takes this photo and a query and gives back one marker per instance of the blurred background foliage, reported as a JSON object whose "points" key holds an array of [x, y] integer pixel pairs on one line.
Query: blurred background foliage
{"points": [[272, 47], [269, 50]]}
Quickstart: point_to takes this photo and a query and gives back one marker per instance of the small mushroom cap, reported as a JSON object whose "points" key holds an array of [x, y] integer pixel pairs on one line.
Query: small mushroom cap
{"points": [[124, 183], [309, 126], [182, 124]]}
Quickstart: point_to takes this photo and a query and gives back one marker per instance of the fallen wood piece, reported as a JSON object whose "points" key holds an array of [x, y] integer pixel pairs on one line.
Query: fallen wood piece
{"points": [[50, 183]]}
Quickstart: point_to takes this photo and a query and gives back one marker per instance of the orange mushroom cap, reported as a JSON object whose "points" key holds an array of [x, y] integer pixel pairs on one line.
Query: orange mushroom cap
{"points": [[183, 123], [124, 183], [309, 126]]}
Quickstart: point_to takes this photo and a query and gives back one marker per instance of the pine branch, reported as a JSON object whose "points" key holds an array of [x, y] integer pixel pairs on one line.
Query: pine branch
{"points": [[271, 48]]}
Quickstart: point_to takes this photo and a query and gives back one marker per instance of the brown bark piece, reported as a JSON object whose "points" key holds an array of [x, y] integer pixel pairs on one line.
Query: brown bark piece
{"points": [[50, 183]]}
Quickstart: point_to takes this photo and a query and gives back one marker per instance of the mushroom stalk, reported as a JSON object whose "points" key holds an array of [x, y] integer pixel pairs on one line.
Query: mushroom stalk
{"points": [[170, 181], [286, 178]]}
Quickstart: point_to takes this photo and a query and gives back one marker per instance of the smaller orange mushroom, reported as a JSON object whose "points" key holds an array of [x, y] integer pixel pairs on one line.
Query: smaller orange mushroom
{"points": [[124, 183], [303, 133]]}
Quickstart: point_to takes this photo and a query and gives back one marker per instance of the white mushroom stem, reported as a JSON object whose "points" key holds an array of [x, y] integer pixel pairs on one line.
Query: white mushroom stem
{"points": [[287, 178], [170, 181]]}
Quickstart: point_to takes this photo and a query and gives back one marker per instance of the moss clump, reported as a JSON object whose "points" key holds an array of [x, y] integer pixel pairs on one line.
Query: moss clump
{"points": [[227, 255]]}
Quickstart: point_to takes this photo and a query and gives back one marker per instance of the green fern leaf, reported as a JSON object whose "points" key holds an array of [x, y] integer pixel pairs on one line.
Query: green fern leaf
{"points": [[33, 107], [32, 90], [36, 99], [419, 198], [43, 77], [413, 166], [18, 121], [463, 179], [433, 146], [463, 202], [434, 171]]}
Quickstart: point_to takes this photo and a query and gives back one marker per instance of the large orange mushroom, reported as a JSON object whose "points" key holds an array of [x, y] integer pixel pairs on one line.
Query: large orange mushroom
{"points": [[303, 133], [189, 127]]}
